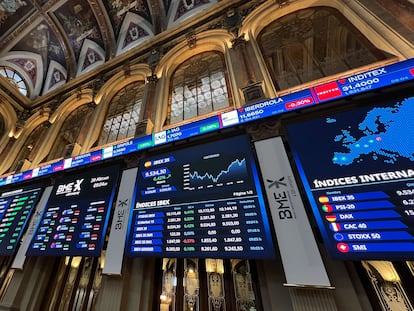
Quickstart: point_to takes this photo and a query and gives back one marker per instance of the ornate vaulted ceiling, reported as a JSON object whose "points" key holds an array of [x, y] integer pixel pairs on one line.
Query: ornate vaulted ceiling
{"points": [[52, 42]]}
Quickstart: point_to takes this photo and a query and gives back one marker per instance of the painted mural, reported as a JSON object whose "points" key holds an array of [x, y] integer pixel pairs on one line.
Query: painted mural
{"points": [[79, 23], [11, 12], [119, 8], [42, 40]]}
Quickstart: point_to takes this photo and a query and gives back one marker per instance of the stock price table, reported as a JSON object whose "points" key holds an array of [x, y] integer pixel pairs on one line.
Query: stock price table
{"points": [[76, 215], [16, 207], [204, 202]]}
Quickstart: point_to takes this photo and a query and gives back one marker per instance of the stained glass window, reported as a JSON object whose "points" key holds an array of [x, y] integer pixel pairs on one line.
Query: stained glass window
{"points": [[198, 87], [123, 114]]}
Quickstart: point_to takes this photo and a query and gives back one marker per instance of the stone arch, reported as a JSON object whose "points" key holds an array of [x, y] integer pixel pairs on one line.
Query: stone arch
{"points": [[29, 66], [58, 118], [35, 120], [8, 119], [253, 25], [373, 29], [211, 40], [103, 98]]}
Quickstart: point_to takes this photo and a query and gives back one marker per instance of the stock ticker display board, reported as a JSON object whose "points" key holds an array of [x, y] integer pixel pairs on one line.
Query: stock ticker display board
{"points": [[357, 167], [16, 207], [75, 218], [203, 201]]}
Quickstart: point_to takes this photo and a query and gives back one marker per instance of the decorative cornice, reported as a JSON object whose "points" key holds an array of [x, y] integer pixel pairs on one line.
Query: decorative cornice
{"points": [[264, 129]]}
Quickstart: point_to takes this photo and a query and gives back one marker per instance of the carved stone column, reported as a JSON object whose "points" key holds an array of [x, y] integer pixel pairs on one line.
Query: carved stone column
{"points": [[252, 89], [239, 45]]}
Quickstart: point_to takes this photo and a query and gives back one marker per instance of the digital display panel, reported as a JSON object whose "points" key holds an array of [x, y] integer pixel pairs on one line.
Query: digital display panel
{"points": [[203, 201], [75, 218], [16, 207], [358, 83], [357, 168]]}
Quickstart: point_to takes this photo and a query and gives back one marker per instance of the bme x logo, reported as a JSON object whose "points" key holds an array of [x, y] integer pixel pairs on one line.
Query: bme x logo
{"points": [[276, 183]]}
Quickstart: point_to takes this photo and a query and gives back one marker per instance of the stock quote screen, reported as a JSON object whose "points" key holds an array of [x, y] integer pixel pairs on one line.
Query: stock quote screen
{"points": [[75, 218], [16, 208], [357, 168], [203, 201]]}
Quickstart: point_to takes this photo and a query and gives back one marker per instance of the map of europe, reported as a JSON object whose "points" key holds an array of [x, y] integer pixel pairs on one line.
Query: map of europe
{"points": [[387, 133]]}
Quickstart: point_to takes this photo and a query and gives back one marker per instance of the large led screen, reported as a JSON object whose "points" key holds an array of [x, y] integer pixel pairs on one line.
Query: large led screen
{"points": [[75, 218], [357, 168], [203, 201], [16, 208]]}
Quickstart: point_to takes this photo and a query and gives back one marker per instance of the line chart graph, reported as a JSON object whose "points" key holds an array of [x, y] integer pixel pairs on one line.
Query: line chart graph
{"points": [[216, 172]]}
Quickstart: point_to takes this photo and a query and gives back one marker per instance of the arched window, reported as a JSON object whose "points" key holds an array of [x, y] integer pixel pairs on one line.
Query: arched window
{"points": [[123, 114], [313, 43], [198, 87], [14, 79], [69, 132], [30, 147]]}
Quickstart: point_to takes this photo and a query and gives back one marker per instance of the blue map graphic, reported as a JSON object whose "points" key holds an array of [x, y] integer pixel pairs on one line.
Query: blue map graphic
{"points": [[387, 132]]}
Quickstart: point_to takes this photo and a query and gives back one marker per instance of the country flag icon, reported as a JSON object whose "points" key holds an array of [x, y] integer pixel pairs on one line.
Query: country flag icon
{"points": [[327, 208], [330, 218], [342, 247], [338, 237], [323, 199], [335, 227]]}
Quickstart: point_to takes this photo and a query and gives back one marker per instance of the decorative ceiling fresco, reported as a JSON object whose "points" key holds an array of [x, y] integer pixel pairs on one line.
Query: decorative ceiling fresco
{"points": [[50, 42]]}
